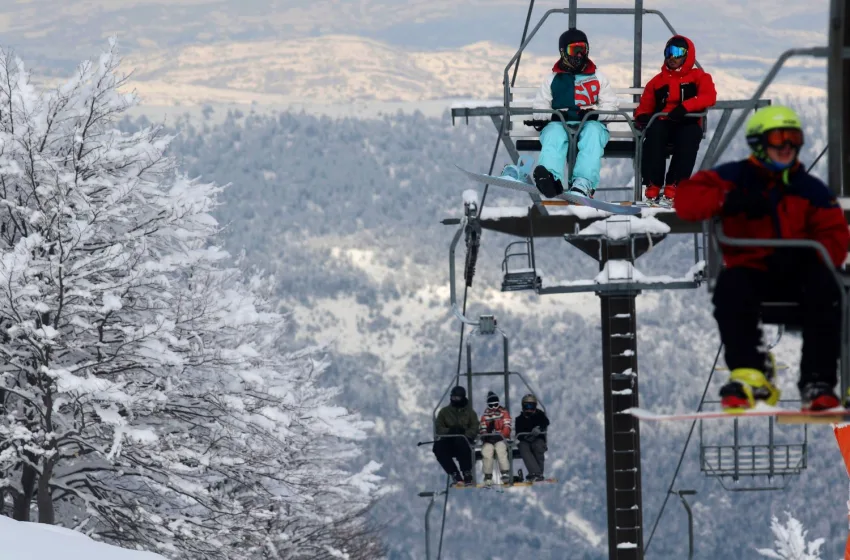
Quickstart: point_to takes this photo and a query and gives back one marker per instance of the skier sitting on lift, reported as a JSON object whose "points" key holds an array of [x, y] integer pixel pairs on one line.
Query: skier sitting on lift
{"points": [[531, 427], [574, 87], [678, 89], [770, 195], [494, 429], [453, 422]]}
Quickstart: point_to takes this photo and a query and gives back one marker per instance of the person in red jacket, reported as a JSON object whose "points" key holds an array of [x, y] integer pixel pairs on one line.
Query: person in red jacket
{"points": [[677, 90], [495, 430], [771, 196]]}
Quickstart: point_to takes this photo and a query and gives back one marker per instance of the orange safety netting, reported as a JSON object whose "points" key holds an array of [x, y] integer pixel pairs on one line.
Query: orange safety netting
{"points": [[842, 435]]}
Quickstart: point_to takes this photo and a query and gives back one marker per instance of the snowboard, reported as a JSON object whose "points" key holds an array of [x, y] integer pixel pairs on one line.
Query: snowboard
{"points": [[529, 187], [495, 486], [761, 410]]}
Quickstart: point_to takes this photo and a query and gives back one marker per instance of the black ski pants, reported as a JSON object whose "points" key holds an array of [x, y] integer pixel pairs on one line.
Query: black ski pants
{"points": [[685, 136], [791, 276], [451, 447]]}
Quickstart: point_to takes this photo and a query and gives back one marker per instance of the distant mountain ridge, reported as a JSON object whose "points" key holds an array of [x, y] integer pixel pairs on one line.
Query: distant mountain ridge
{"points": [[343, 69]]}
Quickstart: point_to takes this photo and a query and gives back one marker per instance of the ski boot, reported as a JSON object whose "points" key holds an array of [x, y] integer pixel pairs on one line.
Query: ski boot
{"points": [[581, 187], [546, 183], [652, 193], [467, 478], [458, 478], [818, 396], [506, 478], [488, 480], [519, 172], [538, 477], [669, 194], [519, 478], [745, 387]]}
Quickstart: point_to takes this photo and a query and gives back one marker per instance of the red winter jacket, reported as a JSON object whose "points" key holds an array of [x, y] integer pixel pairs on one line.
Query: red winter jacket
{"points": [[696, 85], [501, 420], [803, 208]]}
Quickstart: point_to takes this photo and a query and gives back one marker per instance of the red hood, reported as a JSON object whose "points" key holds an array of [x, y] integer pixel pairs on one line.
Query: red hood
{"points": [[690, 59], [589, 68]]}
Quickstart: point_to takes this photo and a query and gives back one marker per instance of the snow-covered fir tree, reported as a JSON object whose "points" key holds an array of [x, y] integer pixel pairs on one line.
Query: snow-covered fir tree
{"points": [[791, 541], [148, 398]]}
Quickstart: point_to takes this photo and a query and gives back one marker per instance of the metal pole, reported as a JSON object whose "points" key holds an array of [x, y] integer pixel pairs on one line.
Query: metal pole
{"points": [[835, 97], [636, 82], [682, 494], [573, 13], [524, 33], [428, 522]]}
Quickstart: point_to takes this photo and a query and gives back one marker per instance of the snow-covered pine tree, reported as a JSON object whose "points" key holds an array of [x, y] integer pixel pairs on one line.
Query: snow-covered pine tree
{"points": [[791, 541], [147, 396]]}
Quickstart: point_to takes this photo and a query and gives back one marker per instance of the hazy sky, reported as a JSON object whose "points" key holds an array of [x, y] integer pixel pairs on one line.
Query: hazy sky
{"points": [[58, 33]]}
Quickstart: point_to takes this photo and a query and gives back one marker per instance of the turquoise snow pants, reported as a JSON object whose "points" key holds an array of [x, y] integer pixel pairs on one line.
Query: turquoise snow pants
{"points": [[591, 145]]}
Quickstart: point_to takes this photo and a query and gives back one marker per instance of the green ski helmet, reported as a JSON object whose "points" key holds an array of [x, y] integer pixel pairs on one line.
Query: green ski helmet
{"points": [[774, 126]]}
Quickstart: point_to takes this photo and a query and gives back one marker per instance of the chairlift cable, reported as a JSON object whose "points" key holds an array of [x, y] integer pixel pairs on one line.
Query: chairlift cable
{"points": [[817, 159], [682, 456], [457, 378]]}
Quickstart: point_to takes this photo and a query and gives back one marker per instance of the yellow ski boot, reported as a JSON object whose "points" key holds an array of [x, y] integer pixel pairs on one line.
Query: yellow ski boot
{"points": [[746, 386]]}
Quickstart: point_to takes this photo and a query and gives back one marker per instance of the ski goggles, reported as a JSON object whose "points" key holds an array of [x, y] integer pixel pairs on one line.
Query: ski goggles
{"points": [[779, 137], [529, 406], [673, 51], [575, 49]]}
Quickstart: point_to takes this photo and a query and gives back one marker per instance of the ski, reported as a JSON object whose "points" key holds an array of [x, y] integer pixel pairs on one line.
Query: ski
{"points": [[611, 207], [782, 415]]}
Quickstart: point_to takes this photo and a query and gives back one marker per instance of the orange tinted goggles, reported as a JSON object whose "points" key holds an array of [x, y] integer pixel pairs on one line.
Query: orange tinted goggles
{"points": [[574, 49], [778, 137]]}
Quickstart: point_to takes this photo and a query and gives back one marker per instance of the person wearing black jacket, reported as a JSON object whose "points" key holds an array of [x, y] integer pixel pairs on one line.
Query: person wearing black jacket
{"points": [[530, 428]]}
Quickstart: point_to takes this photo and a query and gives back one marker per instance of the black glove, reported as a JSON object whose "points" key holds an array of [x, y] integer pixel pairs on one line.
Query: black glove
{"points": [[536, 124], [456, 430], [677, 113], [642, 120], [583, 112], [490, 427], [754, 204]]}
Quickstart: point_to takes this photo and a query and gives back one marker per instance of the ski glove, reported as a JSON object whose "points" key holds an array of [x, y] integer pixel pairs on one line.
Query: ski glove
{"points": [[535, 431], [490, 427], [583, 112], [750, 202], [536, 124], [678, 113], [642, 120]]}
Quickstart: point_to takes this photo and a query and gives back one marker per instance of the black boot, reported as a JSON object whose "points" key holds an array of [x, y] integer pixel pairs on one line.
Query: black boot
{"points": [[818, 396], [546, 183]]}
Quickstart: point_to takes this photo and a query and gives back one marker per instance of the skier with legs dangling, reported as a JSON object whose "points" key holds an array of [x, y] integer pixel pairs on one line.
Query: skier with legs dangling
{"points": [[770, 195], [495, 430], [679, 89], [574, 87], [531, 427], [457, 427]]}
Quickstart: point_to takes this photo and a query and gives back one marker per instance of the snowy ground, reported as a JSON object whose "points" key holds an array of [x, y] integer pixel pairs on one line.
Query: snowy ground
{"points": [[35, 541]]}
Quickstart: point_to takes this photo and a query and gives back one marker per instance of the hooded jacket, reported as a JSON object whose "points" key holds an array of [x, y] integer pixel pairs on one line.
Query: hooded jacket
{"points": [[564, 89], [462, 417], [802, 207], [693, 87]]}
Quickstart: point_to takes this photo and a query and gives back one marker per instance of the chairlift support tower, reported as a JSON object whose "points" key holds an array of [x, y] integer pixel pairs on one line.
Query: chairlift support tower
{"points": [[617, 300]]}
